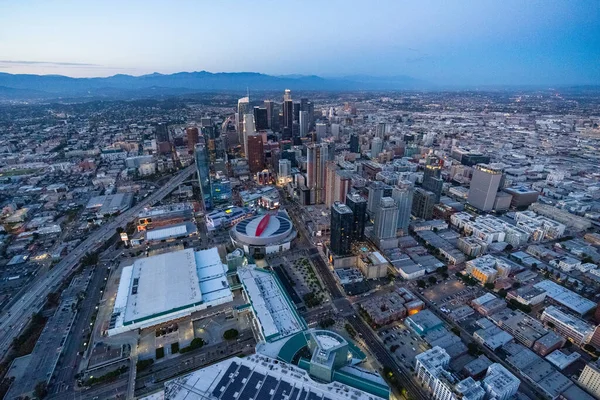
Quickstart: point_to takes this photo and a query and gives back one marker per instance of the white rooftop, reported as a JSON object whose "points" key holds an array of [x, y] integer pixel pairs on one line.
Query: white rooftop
{"points": [[270, 304], [567, 298], [163, 233]]}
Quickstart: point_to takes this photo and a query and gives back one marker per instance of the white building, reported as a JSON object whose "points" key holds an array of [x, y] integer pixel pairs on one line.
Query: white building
{"points": [[499, 383]]}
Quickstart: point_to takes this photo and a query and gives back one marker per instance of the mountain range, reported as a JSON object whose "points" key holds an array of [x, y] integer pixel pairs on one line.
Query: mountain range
{"points": [[19, 86]]}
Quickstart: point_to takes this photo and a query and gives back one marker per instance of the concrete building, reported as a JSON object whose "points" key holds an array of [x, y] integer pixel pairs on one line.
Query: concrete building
{"points": [[373, 265], [402, 194], [590, 378], [386, 223], [499, 383], [423, 202], [484, 186], [342, 223], [423, 322], [570, 327]]}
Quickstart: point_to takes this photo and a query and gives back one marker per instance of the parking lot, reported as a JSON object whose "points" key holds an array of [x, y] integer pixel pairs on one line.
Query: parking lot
{"points": [[452, 293]]}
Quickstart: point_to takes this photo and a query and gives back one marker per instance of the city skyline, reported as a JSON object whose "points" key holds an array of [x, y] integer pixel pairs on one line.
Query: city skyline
{"points": [[481, 43]]}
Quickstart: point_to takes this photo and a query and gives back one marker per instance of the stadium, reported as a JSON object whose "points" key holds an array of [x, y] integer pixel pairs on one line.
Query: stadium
{"points": [[263, 234]]}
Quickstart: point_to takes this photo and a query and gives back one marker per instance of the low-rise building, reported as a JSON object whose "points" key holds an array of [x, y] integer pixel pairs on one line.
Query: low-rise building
{"points": [[570, 327]]}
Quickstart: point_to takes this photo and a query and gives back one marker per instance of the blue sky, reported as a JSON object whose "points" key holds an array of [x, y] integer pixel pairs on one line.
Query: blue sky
{"points": [[446, 42]]}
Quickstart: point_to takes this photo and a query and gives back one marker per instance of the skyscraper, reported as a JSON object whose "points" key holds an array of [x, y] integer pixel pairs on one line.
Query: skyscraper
{"points": [[243, 108], [192, 137], [261, 119], [380, 130], [403, 195], [376, 147], [358, 205], [377, 190], [321, 130], [256, 154], [316, 159], [354, 144], [386, 219], [288, 110], [162, 133], [342, 220], [484, 186], [342, 185], [330, 170], [202, 168], [270, 107], [432, 180], [285, 168], [304, 123], [249, 129], [423, 202]]}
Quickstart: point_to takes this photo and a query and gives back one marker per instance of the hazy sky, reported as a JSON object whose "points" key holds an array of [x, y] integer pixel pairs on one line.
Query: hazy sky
{"points": [[447, 42]]}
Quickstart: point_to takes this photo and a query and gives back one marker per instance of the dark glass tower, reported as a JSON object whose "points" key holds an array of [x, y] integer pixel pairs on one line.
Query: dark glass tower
{"points": [[203, 169], [354, 148], [261, 119], [342, 220], [358, 205]]}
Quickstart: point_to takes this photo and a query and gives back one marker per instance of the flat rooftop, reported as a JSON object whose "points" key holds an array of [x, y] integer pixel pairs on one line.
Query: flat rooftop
{"points": [[169, 284], [274, 311], [567, 298], [257, 377]]}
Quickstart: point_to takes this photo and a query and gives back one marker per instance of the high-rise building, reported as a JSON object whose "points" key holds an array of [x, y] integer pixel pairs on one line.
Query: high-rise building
{"points": [[342, 185], [243, 108], [249, 129], [162, 133], [285, 168], [423, 202], [376, 147], [261, 120], [358, 205], [203, 170], [303, 123], [316, 161], [342, 221], [270, 107], [484, 186], [354, 143], [590, 378], [386, 219], [432, 180], [288, 110], [192, 137], [335, 131], [321, 130], [380, 130], [296, 112], [377, 190], [330, 170], [256, 154], [403, 195]]}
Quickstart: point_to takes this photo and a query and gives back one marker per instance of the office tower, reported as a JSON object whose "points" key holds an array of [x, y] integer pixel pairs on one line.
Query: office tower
{"points": [[243, 108], [358, 205], [249, 129], [162, 132], [202, 168], [303, 123], [376, 147], [296, 112], [377, 190], [403, 195], [423, 202], [321, 130], [590, 378], [261, 119], [386, 219], [432, 180], [330, 170], [270, 107], [285, 168], [316, 160], [311, 113], [206, 122], [354, 144], [335, 131], [288, 111], [342, 185], [484, 186], [192, 137], [221, 190], [342, 221], [256, 154], [380, 130], [304, 104]]}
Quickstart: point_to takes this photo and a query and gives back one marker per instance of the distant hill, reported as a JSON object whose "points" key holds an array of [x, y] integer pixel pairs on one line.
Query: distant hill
{"points": [[51, 86]]}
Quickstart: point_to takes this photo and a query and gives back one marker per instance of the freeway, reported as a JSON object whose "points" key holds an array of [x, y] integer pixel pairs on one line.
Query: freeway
{"points": [[17, 316]]}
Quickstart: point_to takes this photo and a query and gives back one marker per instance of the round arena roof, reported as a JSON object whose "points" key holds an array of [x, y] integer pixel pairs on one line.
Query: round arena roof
{"points": [[263, 229]]}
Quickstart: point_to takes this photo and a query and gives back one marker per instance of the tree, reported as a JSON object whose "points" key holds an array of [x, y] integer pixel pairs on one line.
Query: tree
{"points": [[516, 285], [508, 247], [432, 280], [230, 334], [41, 390], [119, 230], [473, 349], [421, 283], [489, 286]]}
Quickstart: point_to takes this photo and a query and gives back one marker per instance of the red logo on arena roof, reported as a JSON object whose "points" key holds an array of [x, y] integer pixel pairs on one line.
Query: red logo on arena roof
{"points": [[262, 225]]}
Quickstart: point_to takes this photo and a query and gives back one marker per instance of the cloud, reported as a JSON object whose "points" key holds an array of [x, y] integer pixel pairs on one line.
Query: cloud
{"points": [[48, 63]]}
